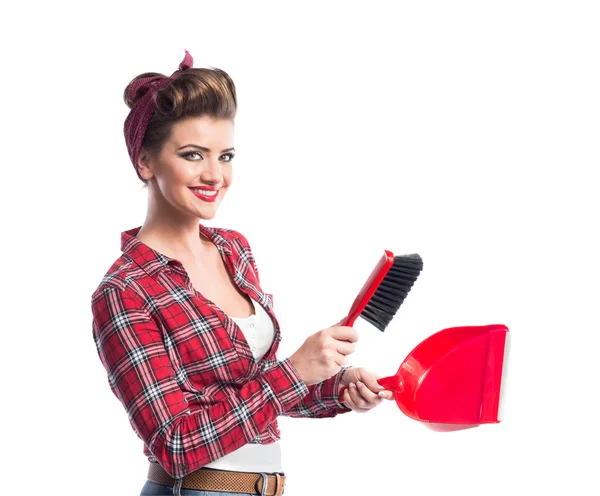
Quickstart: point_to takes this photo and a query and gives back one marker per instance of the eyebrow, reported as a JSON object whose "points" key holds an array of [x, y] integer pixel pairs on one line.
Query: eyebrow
{"points": [[203, 148]]}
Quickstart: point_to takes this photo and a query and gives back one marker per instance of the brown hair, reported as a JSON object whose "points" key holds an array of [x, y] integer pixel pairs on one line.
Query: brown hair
{"points": [[194, 92]]}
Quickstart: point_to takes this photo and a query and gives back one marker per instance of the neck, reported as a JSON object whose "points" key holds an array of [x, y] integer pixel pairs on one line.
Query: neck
{"points": [[172, 234]]}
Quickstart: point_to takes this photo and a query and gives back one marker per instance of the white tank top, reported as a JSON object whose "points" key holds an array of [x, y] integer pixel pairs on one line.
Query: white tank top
{"points": [[259, 331]]}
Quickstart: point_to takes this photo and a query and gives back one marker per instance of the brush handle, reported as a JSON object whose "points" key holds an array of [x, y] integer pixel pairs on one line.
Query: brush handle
{"points": [[374, 280], [368, 289]]}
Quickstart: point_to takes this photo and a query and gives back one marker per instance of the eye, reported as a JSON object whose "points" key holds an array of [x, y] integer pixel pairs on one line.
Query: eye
{"points": [[188, 154], [230, 155]]}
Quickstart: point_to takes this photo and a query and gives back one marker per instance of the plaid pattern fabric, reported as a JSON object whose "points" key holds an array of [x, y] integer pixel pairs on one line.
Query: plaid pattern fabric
{"points": [[183, 370]]}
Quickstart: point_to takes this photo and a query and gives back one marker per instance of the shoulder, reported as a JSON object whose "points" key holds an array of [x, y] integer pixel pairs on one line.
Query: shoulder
{"points": [[239, 245], [122, 277], [229, 234], [234, 239]]}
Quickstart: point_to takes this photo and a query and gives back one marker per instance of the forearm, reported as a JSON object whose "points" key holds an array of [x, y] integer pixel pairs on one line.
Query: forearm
{"points": [[321, 401]]}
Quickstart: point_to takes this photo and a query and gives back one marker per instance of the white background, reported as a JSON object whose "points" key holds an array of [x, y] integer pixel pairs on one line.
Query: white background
{"points": [[464, 131]]}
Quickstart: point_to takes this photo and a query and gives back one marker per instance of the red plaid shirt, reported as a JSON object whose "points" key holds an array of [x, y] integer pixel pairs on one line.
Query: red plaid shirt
{"points": [[182, 368]]}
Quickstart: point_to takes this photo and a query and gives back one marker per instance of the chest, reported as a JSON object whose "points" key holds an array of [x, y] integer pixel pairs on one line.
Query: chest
{"points": [[206, 345], [211, 279]]}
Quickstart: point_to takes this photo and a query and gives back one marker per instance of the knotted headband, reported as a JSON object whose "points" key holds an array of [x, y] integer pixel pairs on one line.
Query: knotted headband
{"points": [[139, 116]]}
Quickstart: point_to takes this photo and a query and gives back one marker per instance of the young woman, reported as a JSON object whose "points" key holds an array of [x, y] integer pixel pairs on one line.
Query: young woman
{"points": [[187, 335]]}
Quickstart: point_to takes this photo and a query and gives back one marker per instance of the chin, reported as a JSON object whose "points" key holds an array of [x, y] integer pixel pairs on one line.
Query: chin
{"points": [[208, 215]]}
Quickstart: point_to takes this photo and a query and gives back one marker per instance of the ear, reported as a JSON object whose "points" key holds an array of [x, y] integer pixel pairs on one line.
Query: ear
{"points": [[143, 164]]}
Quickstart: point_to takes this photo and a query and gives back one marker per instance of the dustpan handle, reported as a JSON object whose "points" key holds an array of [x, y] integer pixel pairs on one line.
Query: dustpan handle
{"points": [[391, 383]]}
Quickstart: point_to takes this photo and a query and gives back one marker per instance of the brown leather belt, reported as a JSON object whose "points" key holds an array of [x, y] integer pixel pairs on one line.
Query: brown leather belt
{"points": [[221, 480]]}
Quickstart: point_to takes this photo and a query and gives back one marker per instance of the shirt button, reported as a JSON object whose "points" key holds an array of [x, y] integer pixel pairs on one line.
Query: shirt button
{"points": [[251, 325]]}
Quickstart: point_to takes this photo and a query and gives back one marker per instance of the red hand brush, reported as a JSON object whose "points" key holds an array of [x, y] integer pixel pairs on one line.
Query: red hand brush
{"points": [[385, 290]]}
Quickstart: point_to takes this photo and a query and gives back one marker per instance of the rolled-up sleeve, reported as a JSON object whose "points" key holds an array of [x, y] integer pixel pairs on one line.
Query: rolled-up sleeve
{"points": [[321, 401]]}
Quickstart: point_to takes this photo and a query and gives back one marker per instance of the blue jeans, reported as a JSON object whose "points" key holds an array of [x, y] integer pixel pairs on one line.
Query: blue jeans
{"points": [[154, 489]]}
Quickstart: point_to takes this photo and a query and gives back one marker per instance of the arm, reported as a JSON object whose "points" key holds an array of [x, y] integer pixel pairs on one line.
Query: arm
{"points": [[321, 401], [322, 398], [131, 348]]}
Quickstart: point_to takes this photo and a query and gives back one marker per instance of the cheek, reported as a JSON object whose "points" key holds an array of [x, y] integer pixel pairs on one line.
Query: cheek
{"points": [[181, 175], [172, 181], [228, 175], [178, 177]]}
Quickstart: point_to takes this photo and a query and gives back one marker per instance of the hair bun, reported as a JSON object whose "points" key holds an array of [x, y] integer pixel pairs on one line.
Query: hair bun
{"points": [[139, 86]]}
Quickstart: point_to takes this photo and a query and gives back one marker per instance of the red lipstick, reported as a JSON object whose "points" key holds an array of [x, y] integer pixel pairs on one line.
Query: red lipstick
{"points": [[206, 197]]}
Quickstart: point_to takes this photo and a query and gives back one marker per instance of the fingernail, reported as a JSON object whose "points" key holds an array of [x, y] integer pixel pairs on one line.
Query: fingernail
{"points": [[382, 394], [358, 383], [380, 387], [352, 384]]}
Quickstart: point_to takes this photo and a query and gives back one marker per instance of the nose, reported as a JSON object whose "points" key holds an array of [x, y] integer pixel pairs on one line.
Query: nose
{"points": [[211, 171]]}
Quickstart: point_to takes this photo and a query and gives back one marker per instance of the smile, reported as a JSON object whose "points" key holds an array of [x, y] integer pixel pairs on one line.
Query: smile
{"points": [[205, 194]]}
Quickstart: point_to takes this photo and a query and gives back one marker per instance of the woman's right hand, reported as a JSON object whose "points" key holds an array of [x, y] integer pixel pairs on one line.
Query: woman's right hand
{"points": [[324, 353]]}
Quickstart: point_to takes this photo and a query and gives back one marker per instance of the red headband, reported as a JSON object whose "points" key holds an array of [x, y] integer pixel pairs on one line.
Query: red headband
{"points": [[139, 116]]}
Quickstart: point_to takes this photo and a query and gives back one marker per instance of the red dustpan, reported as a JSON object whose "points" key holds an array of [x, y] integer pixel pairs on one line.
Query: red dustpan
{"points": [[453, 379]]}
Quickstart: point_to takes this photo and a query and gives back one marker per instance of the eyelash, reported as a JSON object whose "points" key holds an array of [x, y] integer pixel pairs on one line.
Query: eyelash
{"points": [[186, 155]]}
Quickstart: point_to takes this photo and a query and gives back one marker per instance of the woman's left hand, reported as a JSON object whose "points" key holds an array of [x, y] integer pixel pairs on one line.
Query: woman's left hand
{"points": [[362, 393]]}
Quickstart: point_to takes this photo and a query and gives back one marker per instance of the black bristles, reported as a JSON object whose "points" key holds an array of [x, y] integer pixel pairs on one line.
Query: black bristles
{"points": [[390, 293]]}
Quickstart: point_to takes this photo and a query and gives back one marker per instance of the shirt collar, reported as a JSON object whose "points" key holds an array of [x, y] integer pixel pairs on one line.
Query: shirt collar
{"points": [[152, 261]]}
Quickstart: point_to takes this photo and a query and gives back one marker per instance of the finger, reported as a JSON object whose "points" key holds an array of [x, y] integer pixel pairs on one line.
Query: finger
{"points": [[341, 360], [359, 400], [344, 333], [367, 395], [350, 400], [371, 382], [388, 395], [344, 347], [347, 399], [340, 323]]}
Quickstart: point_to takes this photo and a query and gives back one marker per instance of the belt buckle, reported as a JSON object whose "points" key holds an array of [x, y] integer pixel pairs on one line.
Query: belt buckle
{"points": [[278, 485]]}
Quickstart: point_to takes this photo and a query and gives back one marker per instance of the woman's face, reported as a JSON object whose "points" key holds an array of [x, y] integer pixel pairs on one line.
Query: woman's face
{"points": [[197, 157]]}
